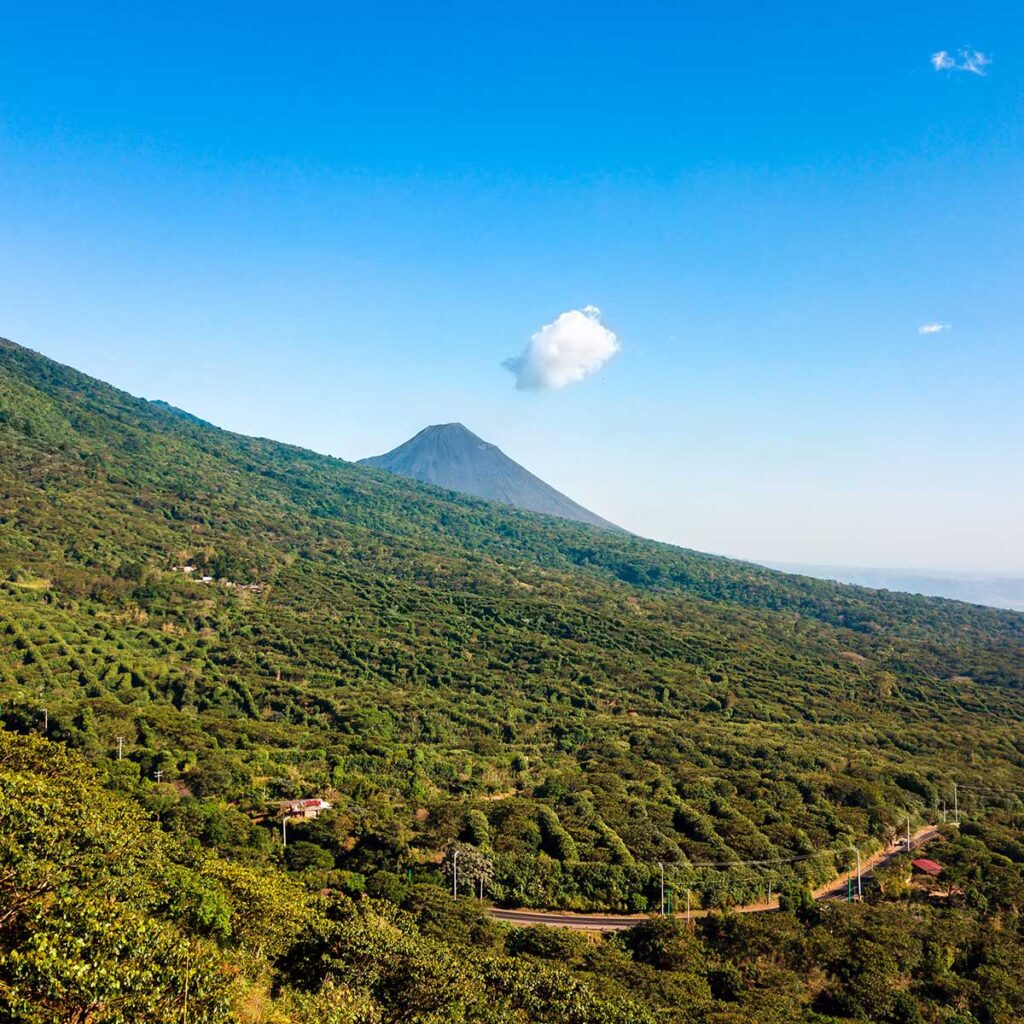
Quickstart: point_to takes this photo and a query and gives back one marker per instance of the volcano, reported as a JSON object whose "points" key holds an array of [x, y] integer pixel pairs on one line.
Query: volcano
{"points": [[451, 456]]}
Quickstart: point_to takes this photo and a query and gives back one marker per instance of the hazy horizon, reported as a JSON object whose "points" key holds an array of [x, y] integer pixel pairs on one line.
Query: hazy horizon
{"points": [[996, 590]]}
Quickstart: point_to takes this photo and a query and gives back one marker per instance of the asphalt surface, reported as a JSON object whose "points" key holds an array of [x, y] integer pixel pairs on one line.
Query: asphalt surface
{"points": [[834, 890]]}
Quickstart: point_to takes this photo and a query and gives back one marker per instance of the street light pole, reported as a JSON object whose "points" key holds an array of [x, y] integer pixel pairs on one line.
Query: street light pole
{"points": [[120, 747], [284, 831]]}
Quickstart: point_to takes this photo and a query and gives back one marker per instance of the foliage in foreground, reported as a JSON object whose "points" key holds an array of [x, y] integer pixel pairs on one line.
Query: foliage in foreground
{"points": [[108, 919], [105, 918]]}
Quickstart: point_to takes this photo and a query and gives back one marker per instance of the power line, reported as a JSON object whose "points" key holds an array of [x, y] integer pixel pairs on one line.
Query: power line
{"points": [[755, 863], [990, 789], [796, 858]]}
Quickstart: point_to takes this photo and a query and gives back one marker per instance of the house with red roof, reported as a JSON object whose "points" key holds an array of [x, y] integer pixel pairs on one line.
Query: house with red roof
{"points": [[305, 808]]}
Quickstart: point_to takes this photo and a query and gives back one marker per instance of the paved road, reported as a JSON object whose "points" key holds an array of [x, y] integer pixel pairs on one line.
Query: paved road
{"points": [[836, 889], [558, 919]]}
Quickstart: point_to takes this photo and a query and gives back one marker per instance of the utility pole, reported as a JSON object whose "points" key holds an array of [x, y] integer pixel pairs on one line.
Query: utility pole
{"points": [[120, 747], [46, 721], [956, 806], [908, 833], [769, 903], [687, 906], [455, 874], [158, 774], [284, 831], [662, 866], [860, 890]]}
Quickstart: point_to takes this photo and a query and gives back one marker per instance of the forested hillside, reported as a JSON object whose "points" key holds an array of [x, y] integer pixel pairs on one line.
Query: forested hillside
{"points": [[570, 705], [603, 700]]}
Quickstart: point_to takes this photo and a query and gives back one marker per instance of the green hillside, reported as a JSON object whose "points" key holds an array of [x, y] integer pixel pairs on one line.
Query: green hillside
{"points": [[104, 917], [567, 705], [581, 704]]}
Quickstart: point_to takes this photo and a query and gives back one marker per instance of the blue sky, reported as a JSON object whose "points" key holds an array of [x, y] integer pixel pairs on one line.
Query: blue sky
{"points": [[330, 223]]}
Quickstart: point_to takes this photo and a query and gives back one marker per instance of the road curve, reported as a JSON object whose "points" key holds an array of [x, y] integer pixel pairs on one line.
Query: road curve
{"points": [[836, 889]]}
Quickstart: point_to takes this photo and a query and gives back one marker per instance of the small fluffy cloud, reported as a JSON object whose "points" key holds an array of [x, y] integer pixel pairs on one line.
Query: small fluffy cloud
{"points": [[563, 352], [934, 328], [973, 61]]}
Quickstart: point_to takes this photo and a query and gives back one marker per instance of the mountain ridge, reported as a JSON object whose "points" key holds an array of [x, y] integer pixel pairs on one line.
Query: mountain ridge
{"points": [[451, 456], [97, 405]]}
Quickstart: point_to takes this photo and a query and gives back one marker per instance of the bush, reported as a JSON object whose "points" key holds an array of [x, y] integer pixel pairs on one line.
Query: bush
{"points": [[386, 885], [666, 943], [303, 856], [548, 943], [477, 829]]}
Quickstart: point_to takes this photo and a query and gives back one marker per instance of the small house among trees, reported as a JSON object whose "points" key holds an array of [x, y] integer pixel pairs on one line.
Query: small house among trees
{"points": [[304, 808], [924, 866]]}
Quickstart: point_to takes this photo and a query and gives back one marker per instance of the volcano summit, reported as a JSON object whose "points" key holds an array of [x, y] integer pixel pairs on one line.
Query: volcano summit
{"points": [[450, 456]]}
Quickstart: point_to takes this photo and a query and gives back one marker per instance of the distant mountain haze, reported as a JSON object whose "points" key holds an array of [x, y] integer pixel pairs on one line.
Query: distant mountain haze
{"points": [[996, 591], [451, 456]]}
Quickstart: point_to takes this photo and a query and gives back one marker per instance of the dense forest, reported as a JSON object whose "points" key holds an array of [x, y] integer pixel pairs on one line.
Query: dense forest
{"points": [[203, 625]]}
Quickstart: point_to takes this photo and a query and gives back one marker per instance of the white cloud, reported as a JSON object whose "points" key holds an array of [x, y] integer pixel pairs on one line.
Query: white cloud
{"points": [[571, 348], [973, 61], [934, 328]]}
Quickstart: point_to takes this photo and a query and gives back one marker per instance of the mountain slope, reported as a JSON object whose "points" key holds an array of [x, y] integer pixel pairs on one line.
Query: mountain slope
{"points": [[450, 456], [601, 700]]}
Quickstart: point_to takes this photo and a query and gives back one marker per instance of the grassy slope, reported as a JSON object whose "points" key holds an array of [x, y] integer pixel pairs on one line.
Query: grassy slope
{"points": [[415, 648]]}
